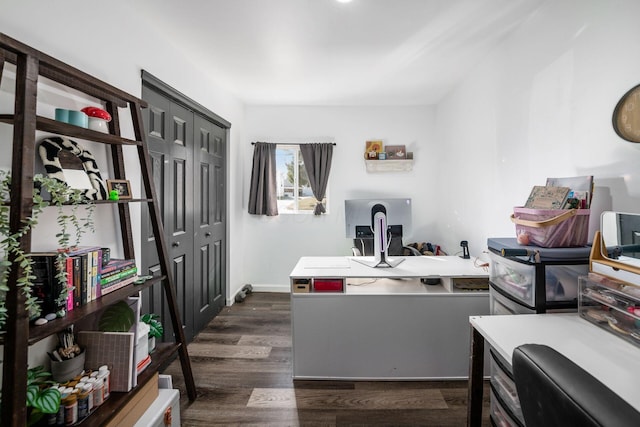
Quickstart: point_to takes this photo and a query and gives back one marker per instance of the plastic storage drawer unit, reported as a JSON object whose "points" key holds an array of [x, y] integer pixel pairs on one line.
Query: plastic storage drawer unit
{"points": [[504, 387], [611, 305], [542, 279]]}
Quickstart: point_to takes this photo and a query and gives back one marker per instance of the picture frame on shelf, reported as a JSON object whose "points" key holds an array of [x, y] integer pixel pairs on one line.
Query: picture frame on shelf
{"points": [[396, 152], [122, 186], [373, 149]]}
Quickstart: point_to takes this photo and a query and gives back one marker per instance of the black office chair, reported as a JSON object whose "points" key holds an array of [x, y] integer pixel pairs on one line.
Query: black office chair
{"points": [[555, 392]]}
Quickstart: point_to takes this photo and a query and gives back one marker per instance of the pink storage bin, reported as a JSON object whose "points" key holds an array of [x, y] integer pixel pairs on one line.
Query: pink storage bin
{"points": [[552, 228]]}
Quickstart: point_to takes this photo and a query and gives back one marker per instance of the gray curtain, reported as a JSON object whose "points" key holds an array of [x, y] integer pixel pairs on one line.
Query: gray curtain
{"points": [[317, 162], [263, 192]]}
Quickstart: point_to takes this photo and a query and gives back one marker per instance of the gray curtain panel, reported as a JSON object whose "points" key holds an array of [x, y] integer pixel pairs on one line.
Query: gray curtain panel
{"points": [[263, 193], [317, 162]]}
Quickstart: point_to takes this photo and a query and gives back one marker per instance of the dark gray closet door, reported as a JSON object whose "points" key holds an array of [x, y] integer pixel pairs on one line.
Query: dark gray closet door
{"points": [[187, 145], [169, 129], [209, 239]]}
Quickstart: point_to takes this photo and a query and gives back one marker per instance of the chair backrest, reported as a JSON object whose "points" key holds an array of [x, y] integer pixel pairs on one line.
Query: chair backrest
{"points": [[554, 391]]}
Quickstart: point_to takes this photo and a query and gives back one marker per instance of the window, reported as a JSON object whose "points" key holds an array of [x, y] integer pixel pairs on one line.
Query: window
{"points": [[294, 192]]}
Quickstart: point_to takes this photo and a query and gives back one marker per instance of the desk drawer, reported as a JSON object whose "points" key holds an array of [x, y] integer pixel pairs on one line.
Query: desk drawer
{"points": [[499, 415], [504, 386], [560, 282]]}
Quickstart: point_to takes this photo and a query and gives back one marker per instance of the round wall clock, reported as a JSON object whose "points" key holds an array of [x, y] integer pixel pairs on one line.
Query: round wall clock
{"points": [[626, 116]]}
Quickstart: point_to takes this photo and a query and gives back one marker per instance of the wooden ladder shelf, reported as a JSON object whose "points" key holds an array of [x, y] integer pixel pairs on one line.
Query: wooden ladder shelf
{"points": [[30, 65]]}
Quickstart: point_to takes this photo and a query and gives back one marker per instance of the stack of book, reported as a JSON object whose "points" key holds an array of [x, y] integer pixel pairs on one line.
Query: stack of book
{"points": [[82, 266], [117, 274], [87, 278]]}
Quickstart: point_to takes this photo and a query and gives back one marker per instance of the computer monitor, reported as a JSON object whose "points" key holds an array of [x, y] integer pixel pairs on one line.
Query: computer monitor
{"points": [[370, 221], [357, 217]]}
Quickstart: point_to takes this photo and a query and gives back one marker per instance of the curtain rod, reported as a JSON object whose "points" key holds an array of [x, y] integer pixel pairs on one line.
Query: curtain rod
{"points": [[292, 143]]}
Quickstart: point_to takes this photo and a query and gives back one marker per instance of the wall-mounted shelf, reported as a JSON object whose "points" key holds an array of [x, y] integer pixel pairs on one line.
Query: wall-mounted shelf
{"points": [[389, 165]]}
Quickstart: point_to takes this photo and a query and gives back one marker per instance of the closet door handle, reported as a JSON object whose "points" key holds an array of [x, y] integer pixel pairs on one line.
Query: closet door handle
{"points": [[207, 234], [175, 244]]}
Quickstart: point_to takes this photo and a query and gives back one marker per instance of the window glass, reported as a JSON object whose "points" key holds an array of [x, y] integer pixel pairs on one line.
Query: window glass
{"points": [[294, 192]]}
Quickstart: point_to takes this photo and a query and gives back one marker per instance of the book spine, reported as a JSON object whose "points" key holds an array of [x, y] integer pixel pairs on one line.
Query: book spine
{"points": [[84, 260], [118, 285], [69, 267], [120, 275], [94, 275], [97, 273], [44, 282], [77, 281], [116, 265]]}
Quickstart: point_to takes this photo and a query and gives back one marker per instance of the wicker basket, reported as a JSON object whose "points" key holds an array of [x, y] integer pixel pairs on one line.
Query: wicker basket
{"points": [[552, 228]]}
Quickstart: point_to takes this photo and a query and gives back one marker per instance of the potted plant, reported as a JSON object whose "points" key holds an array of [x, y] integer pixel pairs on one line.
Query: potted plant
{"points": [[42, 398], [155, 328]]}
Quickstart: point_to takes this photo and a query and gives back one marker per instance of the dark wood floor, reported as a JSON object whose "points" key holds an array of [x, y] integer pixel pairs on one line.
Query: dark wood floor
{"points": [[242, 368]]}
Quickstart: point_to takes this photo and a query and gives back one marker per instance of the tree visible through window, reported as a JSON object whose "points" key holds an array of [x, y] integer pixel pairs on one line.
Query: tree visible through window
{"points": [[294, 191]]}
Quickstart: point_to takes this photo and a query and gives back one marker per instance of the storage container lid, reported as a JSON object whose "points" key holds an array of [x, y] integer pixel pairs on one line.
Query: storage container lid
{"points": [[497, 244]]}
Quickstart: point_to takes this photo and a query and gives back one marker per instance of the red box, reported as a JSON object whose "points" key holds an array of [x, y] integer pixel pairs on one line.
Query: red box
{"points": [[328, 285]]}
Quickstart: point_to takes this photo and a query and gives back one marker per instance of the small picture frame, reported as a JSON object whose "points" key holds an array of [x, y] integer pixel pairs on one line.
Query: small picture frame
{"points": [[122, 186], [395, 152], [373, 149]]}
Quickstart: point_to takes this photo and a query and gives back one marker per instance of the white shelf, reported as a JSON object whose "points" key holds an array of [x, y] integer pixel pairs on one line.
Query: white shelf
{"points": [[389, 165]]}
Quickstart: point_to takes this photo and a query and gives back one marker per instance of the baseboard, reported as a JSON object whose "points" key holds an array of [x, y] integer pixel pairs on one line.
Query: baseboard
{"points": [[263, 288]]}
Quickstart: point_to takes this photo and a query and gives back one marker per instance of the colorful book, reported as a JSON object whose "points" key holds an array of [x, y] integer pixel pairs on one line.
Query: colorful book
{"points": [[77, 281], [116, 264], [547, 197], [69, 267], [119, 284], [124, 274]]}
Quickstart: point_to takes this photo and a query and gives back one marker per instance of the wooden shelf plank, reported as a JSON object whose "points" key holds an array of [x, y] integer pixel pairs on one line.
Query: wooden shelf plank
{"points": [[54, 126], [37, 333]]}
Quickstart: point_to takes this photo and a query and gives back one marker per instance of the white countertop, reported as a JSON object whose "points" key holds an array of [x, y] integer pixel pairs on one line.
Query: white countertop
{"points": [[411, 267], [612, 360]]}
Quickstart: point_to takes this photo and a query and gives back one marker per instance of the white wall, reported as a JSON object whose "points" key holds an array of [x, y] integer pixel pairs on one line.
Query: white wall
{"points": [[272, 245], [540, 106]]}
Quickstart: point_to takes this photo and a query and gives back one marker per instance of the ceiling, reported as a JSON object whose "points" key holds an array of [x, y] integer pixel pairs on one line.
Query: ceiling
{"points": [[322, 52]]}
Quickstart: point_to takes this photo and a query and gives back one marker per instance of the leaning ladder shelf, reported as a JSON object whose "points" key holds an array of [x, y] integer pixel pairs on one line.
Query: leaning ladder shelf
{"points": [[30, 65]]}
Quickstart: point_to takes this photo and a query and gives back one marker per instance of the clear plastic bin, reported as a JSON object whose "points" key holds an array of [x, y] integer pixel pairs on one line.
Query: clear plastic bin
{"points": [[499, 415], [505, 388], [614, 306], [518, 279]]}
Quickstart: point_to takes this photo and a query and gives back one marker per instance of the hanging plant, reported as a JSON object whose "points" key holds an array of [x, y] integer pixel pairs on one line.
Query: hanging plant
{"points": [[60, 196]]}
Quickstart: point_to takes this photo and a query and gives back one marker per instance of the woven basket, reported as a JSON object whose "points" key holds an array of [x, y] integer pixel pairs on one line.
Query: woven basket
{"points": [[552, 228]]}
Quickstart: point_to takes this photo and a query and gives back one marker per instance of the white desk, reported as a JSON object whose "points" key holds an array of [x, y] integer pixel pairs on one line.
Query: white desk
{"points": [[613, 361], [386, 324]]}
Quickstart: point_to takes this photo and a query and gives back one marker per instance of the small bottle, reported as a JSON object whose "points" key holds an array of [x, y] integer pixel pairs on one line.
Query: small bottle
{"points": [[60, 414], [83, 403], [98, 392], [105, 374], [89, 389], [70, 409]]}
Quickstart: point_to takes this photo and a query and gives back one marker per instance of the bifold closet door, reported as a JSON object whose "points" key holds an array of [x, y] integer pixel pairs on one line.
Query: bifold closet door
{"points": [[169, 128], [188, 156], [209, 237]]}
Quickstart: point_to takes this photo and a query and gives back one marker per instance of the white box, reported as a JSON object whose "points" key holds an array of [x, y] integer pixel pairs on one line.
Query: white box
{"points": [[164, 411], [142, 344]]}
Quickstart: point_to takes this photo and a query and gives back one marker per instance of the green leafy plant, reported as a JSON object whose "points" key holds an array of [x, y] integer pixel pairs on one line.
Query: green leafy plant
{"points": [[118, 317], [60, 195], [41, 397], [156, 330]]}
